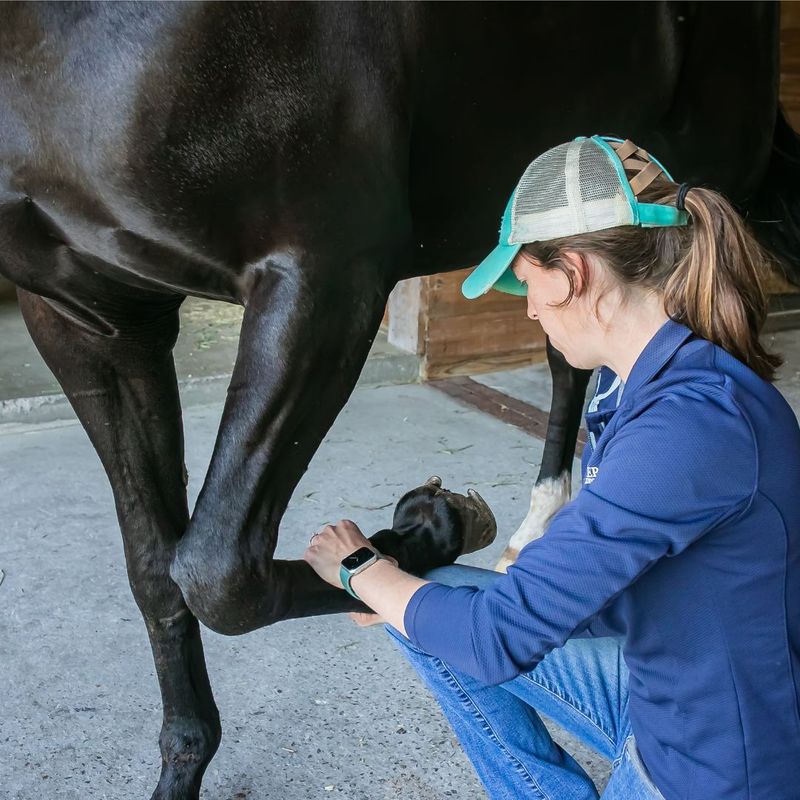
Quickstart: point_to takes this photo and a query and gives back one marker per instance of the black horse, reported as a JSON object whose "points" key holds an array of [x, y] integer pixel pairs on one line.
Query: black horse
{"points": [[299, 159]]}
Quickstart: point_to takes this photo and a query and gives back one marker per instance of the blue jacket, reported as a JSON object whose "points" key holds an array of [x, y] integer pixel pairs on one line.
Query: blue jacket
{"points": [[684, 539]]}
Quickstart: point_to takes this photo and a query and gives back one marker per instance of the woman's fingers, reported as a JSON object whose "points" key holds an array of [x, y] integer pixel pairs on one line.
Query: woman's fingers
{"points": [[329, 545], [364, 620], [344, 534]]}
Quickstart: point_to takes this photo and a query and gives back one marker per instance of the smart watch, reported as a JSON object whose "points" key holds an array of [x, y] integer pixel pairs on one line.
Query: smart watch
{"points": [[356, 562]]}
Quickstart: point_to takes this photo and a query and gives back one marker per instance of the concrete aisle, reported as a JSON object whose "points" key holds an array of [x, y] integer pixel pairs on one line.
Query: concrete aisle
{"points": [[311, 708], [204, 356]]}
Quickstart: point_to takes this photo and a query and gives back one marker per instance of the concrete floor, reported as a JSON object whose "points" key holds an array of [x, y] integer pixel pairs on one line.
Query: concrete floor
{"points": [[204, 357], [311, 708]]}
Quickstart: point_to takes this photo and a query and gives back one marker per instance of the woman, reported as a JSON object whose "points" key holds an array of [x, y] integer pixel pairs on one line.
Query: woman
{"points": [[682, 550]]}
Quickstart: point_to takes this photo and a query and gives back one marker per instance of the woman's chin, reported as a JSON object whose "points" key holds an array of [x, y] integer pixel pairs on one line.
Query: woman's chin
{"points": [[575, 363]]}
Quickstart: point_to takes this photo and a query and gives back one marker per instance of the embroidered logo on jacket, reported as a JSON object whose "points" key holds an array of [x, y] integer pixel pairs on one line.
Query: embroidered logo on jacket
{"points": [[591, 474]]}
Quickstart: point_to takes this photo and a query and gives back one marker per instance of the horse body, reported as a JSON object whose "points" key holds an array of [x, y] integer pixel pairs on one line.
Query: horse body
{"points": [[196, 140], [299, 159]]}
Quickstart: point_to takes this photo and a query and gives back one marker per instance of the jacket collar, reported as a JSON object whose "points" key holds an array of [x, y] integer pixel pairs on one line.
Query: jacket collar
{"points": [[667, 339]]}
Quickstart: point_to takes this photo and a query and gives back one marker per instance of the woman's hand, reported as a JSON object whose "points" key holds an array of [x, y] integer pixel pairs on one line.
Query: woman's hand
{"points": [[388, 593], [330, 544], [364, 620]]}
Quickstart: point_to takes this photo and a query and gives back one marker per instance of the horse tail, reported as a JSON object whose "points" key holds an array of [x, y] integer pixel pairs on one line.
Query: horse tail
{"points": [[774, 211]]}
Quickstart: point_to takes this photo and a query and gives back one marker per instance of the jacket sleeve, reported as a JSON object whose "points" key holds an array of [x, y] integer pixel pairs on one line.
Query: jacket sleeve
{"points": [[684, 465]]}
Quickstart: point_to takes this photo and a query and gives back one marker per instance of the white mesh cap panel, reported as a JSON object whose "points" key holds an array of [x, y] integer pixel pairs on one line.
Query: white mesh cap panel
{"points": [[570, 189], [542, 186]]}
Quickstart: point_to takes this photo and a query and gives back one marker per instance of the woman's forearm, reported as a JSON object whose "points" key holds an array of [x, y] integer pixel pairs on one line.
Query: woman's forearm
{"points": [[386, 589]]}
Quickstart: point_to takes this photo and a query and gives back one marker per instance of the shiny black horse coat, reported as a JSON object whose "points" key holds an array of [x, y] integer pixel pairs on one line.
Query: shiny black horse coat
{"points": [[299, 159]]}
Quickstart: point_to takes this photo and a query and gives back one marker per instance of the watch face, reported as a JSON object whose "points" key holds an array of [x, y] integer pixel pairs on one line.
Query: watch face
{"points": [[357, 559]]}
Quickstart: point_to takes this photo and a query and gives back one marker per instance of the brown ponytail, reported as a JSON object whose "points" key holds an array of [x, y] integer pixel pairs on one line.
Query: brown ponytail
{"points": [[712, 273]]}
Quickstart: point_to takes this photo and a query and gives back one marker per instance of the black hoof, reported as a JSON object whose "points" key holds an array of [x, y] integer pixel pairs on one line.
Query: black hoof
{"points": [[433, 526]]}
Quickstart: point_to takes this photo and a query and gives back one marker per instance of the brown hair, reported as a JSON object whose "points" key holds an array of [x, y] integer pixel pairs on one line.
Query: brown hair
{"points": [[711, 272]]}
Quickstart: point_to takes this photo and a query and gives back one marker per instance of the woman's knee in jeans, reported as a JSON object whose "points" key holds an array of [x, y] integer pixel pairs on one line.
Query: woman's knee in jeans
{"points": [[401, 641]]}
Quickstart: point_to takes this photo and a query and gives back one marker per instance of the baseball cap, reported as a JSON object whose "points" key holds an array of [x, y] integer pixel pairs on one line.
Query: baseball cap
{"points": [[573, 188]]}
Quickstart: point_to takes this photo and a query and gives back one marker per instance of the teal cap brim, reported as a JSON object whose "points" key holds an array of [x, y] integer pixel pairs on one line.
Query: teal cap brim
{"points": [[494, 273]]}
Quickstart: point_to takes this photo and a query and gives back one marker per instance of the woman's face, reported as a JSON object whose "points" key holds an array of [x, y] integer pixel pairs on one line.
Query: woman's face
{"points": [[569, 327]]}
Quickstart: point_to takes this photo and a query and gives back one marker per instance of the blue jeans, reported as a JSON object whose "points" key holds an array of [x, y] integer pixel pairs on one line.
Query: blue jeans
{"points": [[583, 686]]}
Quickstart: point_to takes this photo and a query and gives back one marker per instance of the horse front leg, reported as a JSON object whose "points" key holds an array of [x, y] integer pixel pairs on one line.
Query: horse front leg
{"points": [[125, 393], [308, 325], [553, 486]]}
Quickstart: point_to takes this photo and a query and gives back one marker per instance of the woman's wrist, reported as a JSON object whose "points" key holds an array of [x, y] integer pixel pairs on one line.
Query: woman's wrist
{"points": [[386, 589], [361, 581]]}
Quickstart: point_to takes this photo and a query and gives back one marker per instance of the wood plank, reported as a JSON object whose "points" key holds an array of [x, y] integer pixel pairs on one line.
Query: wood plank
{"points": [[486, 333], [476, 365], [446, 300], [790, 61], [790, 16]]}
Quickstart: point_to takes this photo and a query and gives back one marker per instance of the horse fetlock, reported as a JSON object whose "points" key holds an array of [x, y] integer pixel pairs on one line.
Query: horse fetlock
{"points": [[187, 747], [547, 497], [190, 742], [506, 560]]}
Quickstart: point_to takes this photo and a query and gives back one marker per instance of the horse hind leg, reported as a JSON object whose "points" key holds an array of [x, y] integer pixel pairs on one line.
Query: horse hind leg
{"points": [[124, 391], [553, 486]]}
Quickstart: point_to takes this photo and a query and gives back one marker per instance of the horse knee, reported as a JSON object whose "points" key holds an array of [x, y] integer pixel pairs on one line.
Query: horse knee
{"points": [[204, 595], [224, 596]]}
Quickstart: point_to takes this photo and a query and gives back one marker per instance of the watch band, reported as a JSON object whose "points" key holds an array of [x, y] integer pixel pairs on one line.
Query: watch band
{"points": [[345, 576]]}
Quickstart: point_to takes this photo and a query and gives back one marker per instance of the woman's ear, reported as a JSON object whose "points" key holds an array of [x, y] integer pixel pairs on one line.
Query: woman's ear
{"points": [[580, 268]]}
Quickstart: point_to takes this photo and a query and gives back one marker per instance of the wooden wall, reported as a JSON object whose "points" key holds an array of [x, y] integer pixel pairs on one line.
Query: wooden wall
{"points": [[454, 336], [790, 61]]}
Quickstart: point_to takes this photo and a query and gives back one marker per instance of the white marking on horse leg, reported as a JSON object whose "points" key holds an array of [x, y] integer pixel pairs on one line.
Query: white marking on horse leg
{"points": [[546, 498]]}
